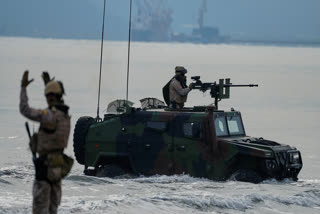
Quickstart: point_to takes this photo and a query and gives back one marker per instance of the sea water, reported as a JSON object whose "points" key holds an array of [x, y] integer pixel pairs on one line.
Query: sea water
{"points": [[284, 108]]}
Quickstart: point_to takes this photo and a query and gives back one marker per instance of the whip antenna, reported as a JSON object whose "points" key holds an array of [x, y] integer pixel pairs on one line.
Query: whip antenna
{"points": [[129, 42], [102, 38]]}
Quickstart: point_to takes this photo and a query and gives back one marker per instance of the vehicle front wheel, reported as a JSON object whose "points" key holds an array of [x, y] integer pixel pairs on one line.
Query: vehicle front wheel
{"points": [[246, 175]]}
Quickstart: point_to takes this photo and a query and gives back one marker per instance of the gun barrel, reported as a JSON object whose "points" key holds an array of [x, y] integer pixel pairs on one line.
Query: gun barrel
{"points": [[250, 85]]}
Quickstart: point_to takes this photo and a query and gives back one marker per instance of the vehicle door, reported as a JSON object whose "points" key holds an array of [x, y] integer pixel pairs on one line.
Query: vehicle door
{"points": [[151, 151], [187, 142]]}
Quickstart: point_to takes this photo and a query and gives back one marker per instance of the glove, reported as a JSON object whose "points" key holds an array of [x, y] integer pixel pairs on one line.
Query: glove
{"points": [[46, 77], [191, 85], [25, 79]]}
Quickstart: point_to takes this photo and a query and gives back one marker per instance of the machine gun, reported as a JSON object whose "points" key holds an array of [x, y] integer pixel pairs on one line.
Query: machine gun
{"points": [[218, 91]]}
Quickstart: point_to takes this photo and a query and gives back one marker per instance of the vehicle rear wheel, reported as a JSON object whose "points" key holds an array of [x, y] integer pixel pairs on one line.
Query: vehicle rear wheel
{"points": [[90, 172], [110, 170], [79, 137], [246, 175]]}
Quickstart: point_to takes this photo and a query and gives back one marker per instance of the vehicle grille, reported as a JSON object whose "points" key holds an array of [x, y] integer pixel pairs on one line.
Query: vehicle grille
{"points": [[290, 163]]}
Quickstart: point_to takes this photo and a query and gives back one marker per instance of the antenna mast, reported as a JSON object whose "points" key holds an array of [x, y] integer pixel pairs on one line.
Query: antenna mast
{"points": [[129, 42], [102, 38]]}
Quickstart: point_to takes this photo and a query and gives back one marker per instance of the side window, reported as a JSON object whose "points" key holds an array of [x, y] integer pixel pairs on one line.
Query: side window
{"points": [[156, 126], [221, 126], [193, 130]]}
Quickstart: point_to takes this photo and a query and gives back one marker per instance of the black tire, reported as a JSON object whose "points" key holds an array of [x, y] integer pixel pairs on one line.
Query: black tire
{"points": [[110, 170], [90, 172], [246, 175], [79, 137]]}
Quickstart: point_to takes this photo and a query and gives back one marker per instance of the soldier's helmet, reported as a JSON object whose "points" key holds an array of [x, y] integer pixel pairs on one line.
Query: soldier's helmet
{"points": [[54, 87], [180, 70]]}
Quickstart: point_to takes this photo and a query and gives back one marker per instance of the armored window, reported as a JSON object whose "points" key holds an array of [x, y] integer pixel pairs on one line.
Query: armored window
{"points": [[235, 125], [193, 130], [156, 125], [221, 126]]}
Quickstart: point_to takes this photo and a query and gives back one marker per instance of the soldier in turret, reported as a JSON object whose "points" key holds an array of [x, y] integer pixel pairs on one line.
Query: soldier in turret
{"points": [[178, 89], [48, 144]]}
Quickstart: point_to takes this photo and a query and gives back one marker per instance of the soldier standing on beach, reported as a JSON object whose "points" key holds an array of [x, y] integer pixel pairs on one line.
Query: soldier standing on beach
{"points": [[48, 144]]}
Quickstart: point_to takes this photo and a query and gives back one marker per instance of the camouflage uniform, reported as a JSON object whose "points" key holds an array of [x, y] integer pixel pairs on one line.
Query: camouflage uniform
{"points": [[177, 93], [52, 137]]}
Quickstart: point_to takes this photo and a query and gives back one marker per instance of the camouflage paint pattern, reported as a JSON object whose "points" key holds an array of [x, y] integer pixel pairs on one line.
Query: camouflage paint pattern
{"points": [[156, 142]]}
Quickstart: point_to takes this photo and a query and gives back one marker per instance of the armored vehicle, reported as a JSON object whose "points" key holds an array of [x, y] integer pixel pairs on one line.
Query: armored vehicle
{"points": [[202, 141]]}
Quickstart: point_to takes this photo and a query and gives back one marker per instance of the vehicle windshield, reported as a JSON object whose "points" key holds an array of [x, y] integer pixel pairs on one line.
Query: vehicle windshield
{"points": [[228, 125], [235, 125]]}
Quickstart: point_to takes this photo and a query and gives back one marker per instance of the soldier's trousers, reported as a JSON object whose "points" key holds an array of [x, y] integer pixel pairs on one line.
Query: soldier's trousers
{"points": [[46, 197]]}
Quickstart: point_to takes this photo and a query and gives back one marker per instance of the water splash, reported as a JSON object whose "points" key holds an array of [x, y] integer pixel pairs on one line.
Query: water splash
{"points": [[164, 179]]}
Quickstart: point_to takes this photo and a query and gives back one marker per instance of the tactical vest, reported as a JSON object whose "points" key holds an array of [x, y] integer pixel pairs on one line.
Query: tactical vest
{"points": [[51, 140], [174, 96]]}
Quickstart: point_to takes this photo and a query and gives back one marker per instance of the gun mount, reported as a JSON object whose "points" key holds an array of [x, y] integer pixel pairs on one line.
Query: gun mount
{"points": [[218, 91]]}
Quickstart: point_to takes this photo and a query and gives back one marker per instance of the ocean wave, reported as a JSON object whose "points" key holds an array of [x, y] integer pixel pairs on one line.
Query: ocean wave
{"points": [[15, 203], [15, 210], [164, 179], [12, 137], [313, 183], [201, 202], [90, 204], [89, 180], [171, 194], [2, 181], [275, 181], [211, 202], [194, 201], [309, 181], [19, 172], [126, 203], [9, 137]]}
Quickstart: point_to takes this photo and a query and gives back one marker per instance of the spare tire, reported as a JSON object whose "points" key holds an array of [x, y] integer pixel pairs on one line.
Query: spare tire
{"points": [[79, 137]]}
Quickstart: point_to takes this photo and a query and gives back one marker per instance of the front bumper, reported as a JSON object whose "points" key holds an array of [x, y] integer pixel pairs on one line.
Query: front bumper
{"points": [[286, 164]]}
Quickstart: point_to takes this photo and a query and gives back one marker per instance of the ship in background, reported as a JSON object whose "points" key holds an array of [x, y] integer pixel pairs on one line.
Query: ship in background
{"points": [[153, 24]]}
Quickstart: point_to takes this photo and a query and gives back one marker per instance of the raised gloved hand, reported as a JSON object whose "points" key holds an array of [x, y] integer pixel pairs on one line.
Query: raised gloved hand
{"points": [[25, 79], [46, 77], [191, 85]]}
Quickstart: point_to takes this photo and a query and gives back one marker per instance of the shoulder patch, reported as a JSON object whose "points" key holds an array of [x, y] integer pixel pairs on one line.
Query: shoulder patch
{"points": [[44, 111]]}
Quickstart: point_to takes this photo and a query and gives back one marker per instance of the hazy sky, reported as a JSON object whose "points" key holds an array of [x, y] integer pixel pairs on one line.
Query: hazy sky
{"points": [[268, 17], [272, 19], [256, 18]]}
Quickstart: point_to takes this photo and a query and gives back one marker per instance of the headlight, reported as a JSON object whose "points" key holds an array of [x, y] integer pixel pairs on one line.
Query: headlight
{"points": [[295, 157]]}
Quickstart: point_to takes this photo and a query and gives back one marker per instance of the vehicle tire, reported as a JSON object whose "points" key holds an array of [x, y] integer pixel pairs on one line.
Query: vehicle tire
{"points": [[110, 170], [246, 175], [90, 172], [79, 137]]}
